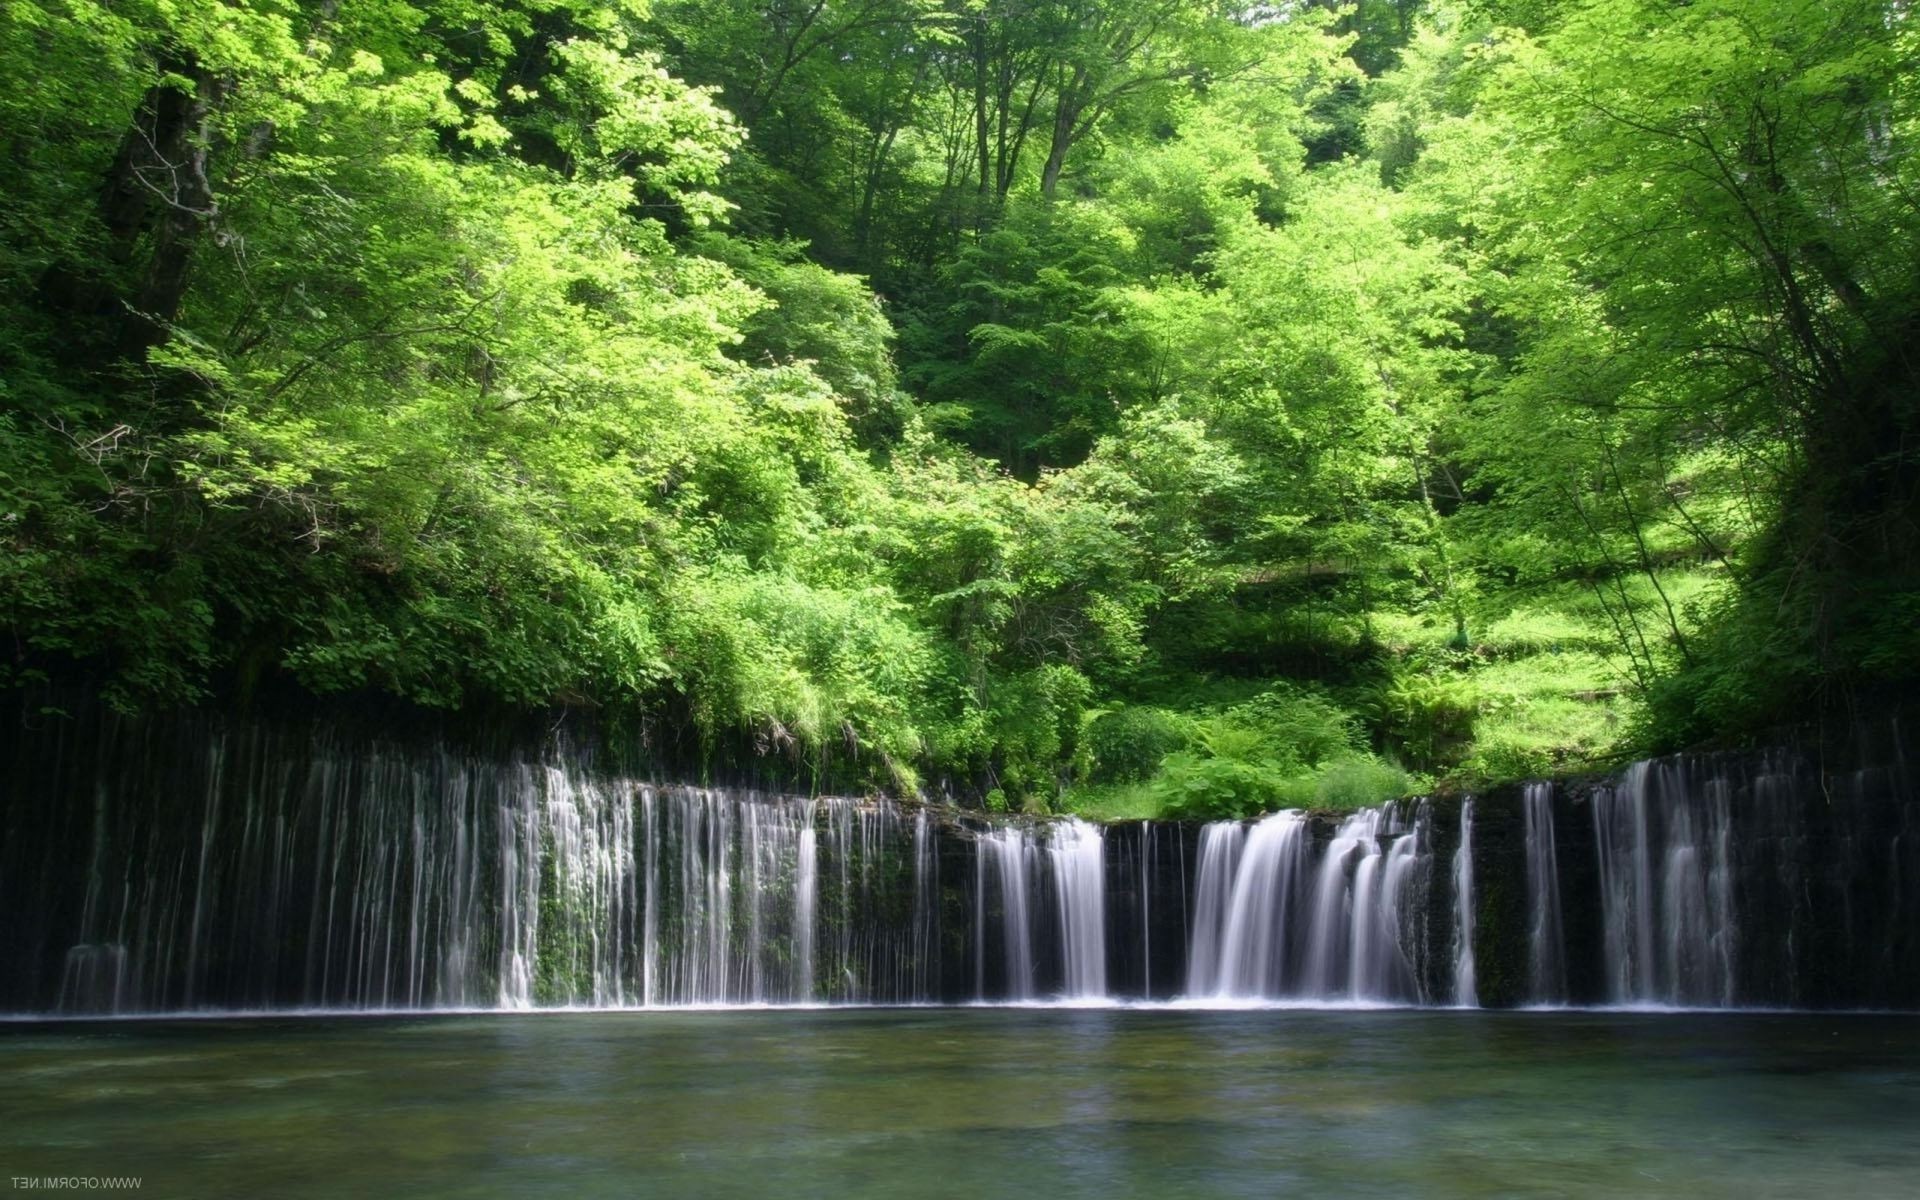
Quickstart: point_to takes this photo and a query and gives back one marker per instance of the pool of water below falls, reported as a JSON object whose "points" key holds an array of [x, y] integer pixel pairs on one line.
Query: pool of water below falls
{"points": [[972, 1102]]}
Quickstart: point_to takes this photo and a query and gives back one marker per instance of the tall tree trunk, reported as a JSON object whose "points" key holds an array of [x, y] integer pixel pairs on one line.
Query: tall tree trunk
{"points": [[159, 191], [983, 139], [1067, 107], [1057, 151]]}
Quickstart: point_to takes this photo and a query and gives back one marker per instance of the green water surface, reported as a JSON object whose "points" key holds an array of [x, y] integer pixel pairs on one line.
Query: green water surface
{"points": [[972, 1103]]}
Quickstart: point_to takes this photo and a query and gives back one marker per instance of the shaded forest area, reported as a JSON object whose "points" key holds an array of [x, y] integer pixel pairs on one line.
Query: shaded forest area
{"points": [[1123, 406]]}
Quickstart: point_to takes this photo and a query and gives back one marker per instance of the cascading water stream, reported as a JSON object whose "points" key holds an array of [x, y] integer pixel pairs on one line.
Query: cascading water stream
{"points": [[1010, 854], [1466, 993], [1077, 851], [1146, 908], [1272, 923], [806, 903], [397, 882], [1546, 931], [1248, 881], [1663, 845], [1339, 898], [1385, 922], [1217, 872], [1016, 868], [235, 867]]}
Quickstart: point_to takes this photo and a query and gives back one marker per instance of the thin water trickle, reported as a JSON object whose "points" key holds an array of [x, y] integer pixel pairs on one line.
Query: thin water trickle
{"points": [[1546, 931], [1466, 992], [1664, 849]]}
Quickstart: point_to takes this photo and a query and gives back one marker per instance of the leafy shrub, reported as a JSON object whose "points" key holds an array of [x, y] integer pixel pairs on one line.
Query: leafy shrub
{"points": [[1503, 756], [1034, 716], [1355, 781], [1289, 747], [1201, 787], [1301, 725], [1196, 787], [1430, 717], [1127, 744]]}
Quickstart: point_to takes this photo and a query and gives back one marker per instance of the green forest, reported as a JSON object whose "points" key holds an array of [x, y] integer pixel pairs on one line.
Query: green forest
{"points": [[1123, 407]]}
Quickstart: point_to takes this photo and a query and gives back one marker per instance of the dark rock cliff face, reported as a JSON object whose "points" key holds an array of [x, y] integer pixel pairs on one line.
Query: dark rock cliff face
{"points": [[1501, 902], [202, 861], [1149, 882], [1776, 878]]}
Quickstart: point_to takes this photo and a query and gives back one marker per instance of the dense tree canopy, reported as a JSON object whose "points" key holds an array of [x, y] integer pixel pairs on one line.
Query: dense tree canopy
{"points": [[1133, 405]]}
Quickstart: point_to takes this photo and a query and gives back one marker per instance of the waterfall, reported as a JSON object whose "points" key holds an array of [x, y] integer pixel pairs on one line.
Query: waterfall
{"points": [[192, 864], [1272, 923], [1249, 958], [691, 896], [388, 880], [806, 901], [1663, 845], [1220, 843], [94, 979], [979, 923], [1387, 919], [1546, 932], [1146, 908], [1016, 867], [650, 923], [924, 945], [1077, 850], [1465, 991], [1339, 891], [1011, 853]]}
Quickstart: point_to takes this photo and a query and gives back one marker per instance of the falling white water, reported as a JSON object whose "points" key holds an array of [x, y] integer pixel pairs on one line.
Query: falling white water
{"points": [[247, 866], [923, 946], [1272, 923], [1332, 929], [1219, 855], [1011, 853], [1466, 992], [806, 900], [840, 827], [94, 977], [579, 845], [1663, 845], [979, 922], [1251, 959], [398, 881], [1546, 934], [519, 860], [1385, 922], [1077, 851], [1146, 908], [650, 883]]}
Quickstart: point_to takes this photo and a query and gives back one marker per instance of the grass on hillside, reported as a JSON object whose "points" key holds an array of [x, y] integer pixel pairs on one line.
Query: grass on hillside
{"points": [[1545, 687]]}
